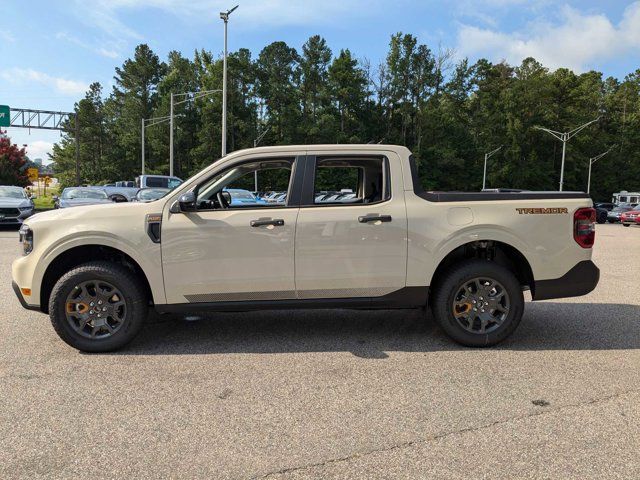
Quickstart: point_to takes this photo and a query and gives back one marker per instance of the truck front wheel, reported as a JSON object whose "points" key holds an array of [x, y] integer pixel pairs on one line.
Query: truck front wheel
{"points": [[98, 306], [478, 303]]}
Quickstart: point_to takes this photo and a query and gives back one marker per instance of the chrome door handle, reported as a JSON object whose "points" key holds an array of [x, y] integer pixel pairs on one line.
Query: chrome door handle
{"points": [[374, 218], [277, 222]]}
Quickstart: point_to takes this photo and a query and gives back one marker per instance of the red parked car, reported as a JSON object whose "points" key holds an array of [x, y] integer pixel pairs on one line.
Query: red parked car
{"points": [[630, 218]]}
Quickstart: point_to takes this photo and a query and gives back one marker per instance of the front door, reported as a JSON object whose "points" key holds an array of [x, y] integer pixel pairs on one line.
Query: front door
{"points": [[236, 246], [351, 238]]}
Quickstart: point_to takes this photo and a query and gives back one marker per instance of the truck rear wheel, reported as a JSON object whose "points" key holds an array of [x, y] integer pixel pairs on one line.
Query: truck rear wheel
{"points": [[98, 306], [478, 303]]}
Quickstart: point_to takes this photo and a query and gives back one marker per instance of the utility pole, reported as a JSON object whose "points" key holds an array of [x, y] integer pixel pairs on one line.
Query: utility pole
{"points": [[564, 137], [77, 150], [593, 160], [142, 169], [189, 96], [171, 137], [150, 122], [225, 18], [486, 157], [256, 141]]}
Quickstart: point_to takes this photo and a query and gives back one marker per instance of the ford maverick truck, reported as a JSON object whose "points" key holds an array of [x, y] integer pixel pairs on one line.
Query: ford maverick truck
{"points": [[97, 270]]}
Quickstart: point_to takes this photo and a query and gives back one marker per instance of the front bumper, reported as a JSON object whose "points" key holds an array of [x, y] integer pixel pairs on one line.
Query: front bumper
{"points": [[580, 280], [24, 304], [12, 219]]}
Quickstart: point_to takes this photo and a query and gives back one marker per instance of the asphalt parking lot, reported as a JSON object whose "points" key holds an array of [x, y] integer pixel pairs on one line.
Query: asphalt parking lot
{"points": [[332, 394]]}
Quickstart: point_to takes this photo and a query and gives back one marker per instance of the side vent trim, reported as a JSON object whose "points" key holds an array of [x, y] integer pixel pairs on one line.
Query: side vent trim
{"points": [[154, 224]]}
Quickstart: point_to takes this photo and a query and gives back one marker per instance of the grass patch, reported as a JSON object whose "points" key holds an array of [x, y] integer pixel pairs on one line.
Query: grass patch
{"points": [[45, 202]]}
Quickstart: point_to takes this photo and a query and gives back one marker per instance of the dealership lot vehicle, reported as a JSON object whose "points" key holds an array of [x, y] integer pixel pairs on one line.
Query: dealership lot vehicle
{"points": [[630, 218], [241, 197], [196, 251], [157, 181], [150, 194], [332, 393], [15, 205], [120, 193], [81, 196], [614, 215]]}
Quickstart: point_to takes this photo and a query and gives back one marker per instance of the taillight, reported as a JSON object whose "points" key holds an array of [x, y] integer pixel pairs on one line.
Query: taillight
{"points": [[584, 227]]}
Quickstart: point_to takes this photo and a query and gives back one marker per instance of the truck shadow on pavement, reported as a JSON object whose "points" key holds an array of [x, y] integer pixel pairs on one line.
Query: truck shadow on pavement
{"points": [[377, 334]]}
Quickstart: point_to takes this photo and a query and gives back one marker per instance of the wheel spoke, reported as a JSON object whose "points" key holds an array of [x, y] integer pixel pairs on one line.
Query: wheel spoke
{"points": [[481, 305], [83, 308]]}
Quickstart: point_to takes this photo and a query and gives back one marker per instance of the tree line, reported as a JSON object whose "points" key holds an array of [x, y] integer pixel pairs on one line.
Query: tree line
{"points": [[449, 113]]}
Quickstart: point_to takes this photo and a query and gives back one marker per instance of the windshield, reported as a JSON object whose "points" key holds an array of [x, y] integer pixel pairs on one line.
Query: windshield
{"points": [[71, 193], [162, 182], [12, 192], [152, 193]]}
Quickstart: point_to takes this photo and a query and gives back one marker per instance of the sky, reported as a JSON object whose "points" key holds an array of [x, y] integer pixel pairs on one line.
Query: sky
{"points": [[51, 50]]}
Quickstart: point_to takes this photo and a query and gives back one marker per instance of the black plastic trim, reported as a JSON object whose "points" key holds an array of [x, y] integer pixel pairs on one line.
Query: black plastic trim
{"points": [[580, 280], [307, 199], [24, 304], [297, 176], [407, 297], [488, 196]]}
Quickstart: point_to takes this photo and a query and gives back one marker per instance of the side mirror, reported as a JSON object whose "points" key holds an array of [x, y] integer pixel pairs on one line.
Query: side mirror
{"points": [[227, 197], [187, 202], [56, 198]]}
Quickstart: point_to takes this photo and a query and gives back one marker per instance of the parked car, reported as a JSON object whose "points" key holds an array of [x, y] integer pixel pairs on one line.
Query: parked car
{"points": [[629, 218], [79, 196], [614, 215], [150, 194], [601, 215], [608, 206], [466, 255], [15, 205], [120, 193], [243, 197], [157, 181]]}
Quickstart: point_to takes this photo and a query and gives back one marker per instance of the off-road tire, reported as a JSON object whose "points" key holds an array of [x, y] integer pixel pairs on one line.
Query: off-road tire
{"points": [[125, 280], [447, 287]]}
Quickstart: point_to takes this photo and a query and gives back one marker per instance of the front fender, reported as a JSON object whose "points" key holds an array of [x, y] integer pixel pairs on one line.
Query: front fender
{"points": [[146, 256]]}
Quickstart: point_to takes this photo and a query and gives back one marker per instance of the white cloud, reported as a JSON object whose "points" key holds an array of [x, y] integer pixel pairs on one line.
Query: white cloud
{"points": [[107, 49], [7, 37], [252, 14], [576, 43], [39, 149], [62, 85]]}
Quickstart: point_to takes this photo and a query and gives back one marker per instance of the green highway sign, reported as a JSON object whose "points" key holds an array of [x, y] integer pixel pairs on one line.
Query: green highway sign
{"points": [[5, 121]]}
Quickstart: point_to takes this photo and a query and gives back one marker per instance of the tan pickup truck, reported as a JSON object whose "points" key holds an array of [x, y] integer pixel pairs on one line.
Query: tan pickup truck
{"points": [[353, 230]]}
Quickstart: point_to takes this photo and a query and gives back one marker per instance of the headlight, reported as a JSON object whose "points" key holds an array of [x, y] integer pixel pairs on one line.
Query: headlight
{"points": [[25, 209], [26, 238]]}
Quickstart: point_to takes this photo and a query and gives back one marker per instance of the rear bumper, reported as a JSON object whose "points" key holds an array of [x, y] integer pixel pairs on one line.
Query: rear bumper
{"points": [[580, 280]]}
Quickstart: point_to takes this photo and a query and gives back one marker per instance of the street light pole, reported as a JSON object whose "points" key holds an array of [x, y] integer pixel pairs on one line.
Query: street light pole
{"points": [[486, 157], [225, 18], [564, 137], [593, 160]]}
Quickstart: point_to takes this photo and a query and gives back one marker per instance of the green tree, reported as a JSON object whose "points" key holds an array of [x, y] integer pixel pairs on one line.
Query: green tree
{"points": [[12, 163]]}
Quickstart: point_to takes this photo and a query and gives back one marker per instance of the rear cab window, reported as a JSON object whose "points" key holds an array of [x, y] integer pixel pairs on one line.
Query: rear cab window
{"points": [[344, 180]]}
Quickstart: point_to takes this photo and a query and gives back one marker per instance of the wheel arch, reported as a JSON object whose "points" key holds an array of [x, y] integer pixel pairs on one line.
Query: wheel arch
{"points": [[77, 255], [493, 250]]}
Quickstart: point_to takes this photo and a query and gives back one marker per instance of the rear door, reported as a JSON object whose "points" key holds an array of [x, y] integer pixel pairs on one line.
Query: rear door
{"points": [[351, 233]]}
